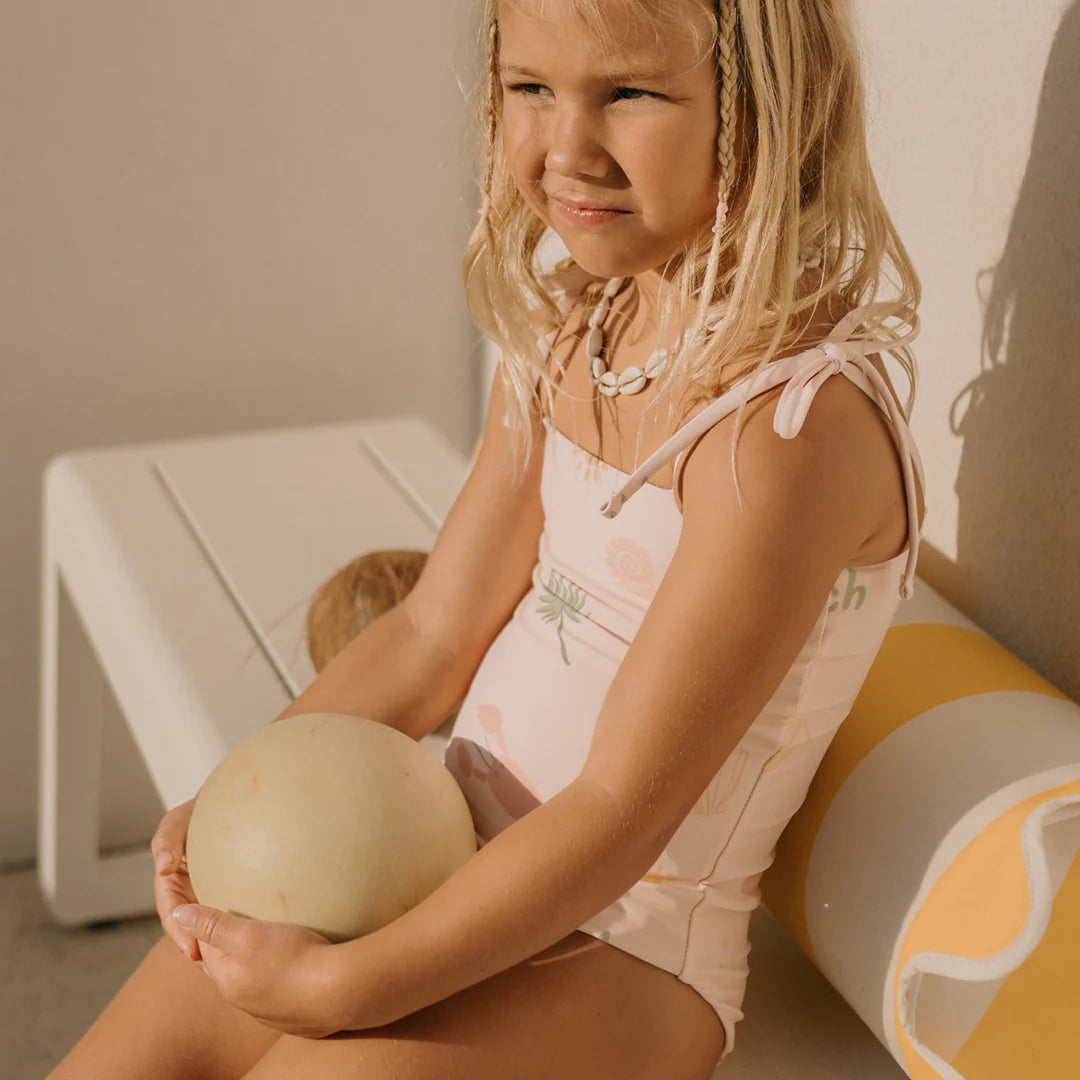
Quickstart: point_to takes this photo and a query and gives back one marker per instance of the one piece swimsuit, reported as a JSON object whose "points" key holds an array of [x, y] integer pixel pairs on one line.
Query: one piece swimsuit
{"points": [[523, 730]]}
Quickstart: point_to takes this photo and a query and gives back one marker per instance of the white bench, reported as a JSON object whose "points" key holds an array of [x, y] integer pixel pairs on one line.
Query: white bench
{"points": [[189, 566]]}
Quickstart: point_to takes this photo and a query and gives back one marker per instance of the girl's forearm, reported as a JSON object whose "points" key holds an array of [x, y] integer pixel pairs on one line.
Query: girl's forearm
{"points": [[527, 888], [391, 673]]}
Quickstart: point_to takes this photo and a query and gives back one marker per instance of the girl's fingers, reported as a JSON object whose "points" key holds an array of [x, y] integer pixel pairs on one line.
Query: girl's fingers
{"points": [[171, 836], [171, 883], [188, 944], [170, 891]]}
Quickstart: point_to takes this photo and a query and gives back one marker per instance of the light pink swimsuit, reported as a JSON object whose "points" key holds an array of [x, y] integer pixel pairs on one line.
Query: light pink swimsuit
{"points": [[524, 728]]}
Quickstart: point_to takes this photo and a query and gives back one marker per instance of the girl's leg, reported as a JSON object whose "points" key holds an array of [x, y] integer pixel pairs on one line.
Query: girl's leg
{"points": [[169, 1022], [581, 1009]]}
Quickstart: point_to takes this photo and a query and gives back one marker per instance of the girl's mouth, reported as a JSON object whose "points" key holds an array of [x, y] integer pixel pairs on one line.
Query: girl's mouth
{"points": [[589, 217]]}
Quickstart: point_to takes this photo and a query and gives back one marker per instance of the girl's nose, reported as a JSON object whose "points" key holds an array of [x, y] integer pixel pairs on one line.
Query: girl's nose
{"points": [[575, 145]]}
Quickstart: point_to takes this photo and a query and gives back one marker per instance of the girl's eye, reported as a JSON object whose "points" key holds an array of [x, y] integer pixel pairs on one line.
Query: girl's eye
{"points": [[523, 88], [526, 89]]}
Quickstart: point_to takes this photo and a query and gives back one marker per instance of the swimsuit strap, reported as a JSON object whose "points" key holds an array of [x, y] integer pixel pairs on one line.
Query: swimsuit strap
{"points": [[805, 372]]}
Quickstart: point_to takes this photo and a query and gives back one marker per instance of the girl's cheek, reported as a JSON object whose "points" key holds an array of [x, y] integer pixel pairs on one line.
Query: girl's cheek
{"points": [[512, 145], [525, 166]]}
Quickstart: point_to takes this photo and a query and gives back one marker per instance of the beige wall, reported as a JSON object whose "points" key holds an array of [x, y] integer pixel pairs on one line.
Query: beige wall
{"points": [[216, 217], [976, 148]]}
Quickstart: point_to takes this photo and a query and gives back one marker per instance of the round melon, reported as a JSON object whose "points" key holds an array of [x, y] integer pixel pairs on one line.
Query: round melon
{"points": [[331, 822]]}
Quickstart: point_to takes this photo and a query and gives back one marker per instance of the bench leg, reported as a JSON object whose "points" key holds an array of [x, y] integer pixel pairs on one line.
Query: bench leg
{"points": [[78, 884]]}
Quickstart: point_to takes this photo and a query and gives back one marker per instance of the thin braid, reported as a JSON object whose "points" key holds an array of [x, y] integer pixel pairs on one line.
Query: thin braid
{"points": [[493, 74], [729, 75]]}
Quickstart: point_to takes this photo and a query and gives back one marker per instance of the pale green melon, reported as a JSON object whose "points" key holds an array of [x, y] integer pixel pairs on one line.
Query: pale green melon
{"points": [[331, 822]]}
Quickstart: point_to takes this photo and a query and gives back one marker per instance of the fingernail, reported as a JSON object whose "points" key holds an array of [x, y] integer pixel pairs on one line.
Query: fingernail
{"points": [[162, 861], [184, 914]]}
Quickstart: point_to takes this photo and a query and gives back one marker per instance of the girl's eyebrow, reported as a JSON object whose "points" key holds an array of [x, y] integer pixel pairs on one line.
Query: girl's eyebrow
{"points": [[626, 77]]}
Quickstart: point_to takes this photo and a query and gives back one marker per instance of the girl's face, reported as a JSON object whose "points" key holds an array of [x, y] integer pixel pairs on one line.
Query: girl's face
{"points": [[633, 130]]}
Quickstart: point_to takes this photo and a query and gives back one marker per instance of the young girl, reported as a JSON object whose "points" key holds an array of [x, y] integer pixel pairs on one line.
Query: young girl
{"points": [[651, 640]]}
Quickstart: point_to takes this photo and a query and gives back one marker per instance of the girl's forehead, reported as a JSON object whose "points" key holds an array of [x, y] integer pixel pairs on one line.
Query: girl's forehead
{"points": [[641, 29]]}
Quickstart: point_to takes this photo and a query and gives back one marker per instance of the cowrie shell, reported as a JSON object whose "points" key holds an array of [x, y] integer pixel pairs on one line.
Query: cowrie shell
{"points": [[656, 363], [594, 342]]}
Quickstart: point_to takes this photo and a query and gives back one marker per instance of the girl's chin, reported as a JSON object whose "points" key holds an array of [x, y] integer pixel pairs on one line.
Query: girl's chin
{"points": [[602, 264]]}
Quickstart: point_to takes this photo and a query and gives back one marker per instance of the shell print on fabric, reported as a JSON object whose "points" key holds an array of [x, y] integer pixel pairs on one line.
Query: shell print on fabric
{"points": [[496, 797], [714, 799], [631, 566], [490, 718]]}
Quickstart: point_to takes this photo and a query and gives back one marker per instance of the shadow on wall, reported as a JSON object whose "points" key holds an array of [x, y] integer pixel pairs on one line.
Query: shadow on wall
{"points": [[1018, 482]]}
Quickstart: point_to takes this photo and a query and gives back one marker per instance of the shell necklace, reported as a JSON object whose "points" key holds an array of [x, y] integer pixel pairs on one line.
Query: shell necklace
{"points": [[633, 379]]}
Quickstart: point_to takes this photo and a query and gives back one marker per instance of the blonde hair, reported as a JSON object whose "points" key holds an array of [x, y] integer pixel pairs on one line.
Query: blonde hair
{"points": [[789, 71]]}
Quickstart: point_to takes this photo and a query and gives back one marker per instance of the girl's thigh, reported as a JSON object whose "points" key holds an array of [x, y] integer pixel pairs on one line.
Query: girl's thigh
{"points": [[168, 1021], [581, 1008]]}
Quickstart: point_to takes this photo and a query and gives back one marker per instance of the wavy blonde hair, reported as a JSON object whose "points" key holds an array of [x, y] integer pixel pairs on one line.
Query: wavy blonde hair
{"points": [[788, 70]]}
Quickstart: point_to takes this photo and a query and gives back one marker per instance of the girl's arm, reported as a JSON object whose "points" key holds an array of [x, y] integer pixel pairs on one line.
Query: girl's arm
{"points": [[713, 647], [393, 672], [412, 666], [527, 888]]}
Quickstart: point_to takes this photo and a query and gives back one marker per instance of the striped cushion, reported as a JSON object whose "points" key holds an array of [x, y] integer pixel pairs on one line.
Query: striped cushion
{"points": [[931, 873]]}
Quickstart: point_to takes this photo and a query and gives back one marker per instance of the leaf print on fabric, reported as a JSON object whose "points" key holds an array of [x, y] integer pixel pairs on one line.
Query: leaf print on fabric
{"points": [[631, 566], [661, 871], [792, 736], [563, 598], [589, 465], [714, 798]]}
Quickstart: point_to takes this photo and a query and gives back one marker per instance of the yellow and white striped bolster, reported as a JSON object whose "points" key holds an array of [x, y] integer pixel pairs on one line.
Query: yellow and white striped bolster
{"points": [[931, 872]]}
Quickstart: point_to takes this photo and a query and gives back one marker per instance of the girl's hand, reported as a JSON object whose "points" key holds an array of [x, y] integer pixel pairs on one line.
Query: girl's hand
{"points": [[172, 886], [275, 972]]}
